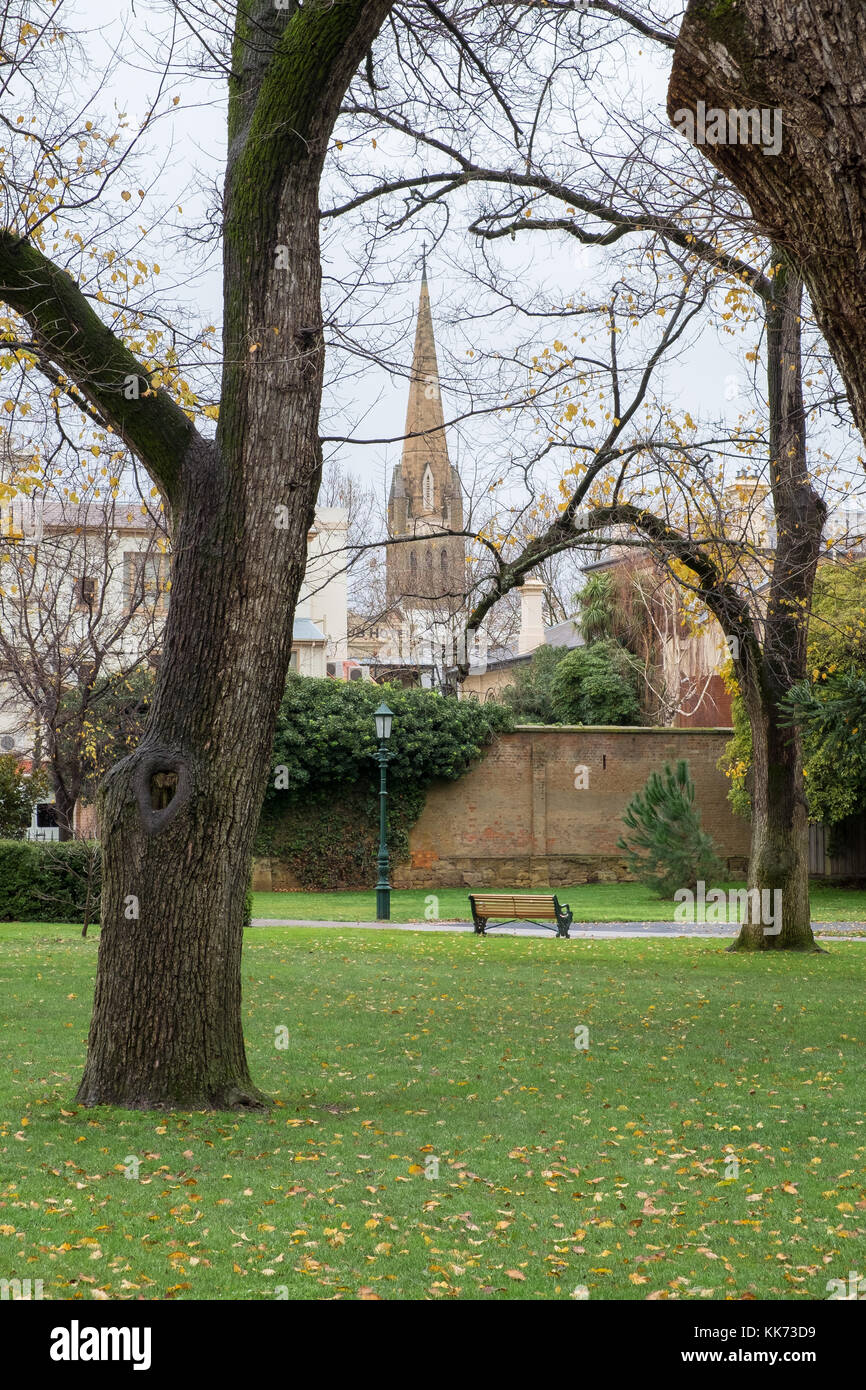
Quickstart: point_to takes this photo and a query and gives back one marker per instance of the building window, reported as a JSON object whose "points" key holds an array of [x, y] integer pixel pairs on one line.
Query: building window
{"points": [[85, 591], [428, 489], [443, 561], [413, 563], [146, 581], [428, 558], [293, 661]]}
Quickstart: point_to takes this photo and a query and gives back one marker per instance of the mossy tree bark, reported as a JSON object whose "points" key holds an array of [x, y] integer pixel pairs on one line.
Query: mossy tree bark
{"points": [[807, 60], [178, 816], [779, 859]]}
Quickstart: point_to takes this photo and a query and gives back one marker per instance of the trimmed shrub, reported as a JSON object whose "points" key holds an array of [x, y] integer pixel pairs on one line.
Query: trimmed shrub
{"points": [[596, 685], [49, 881], [528, 697]]}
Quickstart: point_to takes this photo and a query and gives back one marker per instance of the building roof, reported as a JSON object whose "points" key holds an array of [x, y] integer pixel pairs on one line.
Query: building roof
{"points": [[34, 512], [305, 630], [566, 634]]}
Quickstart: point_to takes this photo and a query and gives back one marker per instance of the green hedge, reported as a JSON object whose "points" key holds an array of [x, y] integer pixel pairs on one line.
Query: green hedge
{"points": [[47, 881]]}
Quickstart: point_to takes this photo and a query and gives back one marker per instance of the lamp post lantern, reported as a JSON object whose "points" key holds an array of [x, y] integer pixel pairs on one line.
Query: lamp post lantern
{"points": [[384, 718]]}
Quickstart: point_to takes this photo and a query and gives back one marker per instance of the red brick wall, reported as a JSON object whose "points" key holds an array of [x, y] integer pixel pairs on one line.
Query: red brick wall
{"points": [[517, 819]]}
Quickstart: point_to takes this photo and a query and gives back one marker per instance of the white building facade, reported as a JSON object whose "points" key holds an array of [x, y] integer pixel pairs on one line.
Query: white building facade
{"points": [[84, 583]]}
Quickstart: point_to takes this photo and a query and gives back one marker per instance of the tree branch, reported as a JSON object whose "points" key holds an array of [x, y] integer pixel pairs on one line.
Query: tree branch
{"points": [[69, 333]]}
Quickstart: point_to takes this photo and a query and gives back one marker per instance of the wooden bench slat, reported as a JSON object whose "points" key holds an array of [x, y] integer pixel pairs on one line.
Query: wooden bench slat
{"points": [[494, 903], [496, 898], [484, 910], [519, 907], [514, 897]]}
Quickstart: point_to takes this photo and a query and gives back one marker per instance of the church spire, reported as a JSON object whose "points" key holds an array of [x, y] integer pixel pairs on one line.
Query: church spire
{"points": [[425, 497], [424, 411]]}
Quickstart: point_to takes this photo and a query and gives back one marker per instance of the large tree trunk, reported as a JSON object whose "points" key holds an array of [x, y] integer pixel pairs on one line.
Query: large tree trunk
{"points": [[779, 860], [64, 808], [166, 1027], [807, 60]]}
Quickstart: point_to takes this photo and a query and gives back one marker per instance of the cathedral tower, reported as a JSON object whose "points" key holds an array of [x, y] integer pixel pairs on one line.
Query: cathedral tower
{"points": [[425, 573]]}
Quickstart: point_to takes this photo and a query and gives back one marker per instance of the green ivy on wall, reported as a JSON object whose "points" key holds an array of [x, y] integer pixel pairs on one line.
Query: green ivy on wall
{"points": [[320, 815]]}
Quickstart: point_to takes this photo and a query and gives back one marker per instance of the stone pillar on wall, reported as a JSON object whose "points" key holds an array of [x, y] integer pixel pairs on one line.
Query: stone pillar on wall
{"points": [[531, 633], [538, 862]]}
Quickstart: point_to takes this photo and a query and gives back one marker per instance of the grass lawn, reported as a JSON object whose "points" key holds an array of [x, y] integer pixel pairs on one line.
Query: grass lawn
{"points": [[590, 902], [557, 1167]]}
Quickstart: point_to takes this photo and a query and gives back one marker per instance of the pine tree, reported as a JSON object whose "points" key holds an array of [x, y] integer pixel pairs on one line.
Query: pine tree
{"points": [[667, 848]]}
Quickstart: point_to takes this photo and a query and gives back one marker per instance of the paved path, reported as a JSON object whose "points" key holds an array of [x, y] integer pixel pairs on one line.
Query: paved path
{"points": [[598, 930]]}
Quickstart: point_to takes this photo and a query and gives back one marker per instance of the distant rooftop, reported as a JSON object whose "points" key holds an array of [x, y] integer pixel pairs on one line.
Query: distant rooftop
{"points": [[566, 634], [305, 630]]}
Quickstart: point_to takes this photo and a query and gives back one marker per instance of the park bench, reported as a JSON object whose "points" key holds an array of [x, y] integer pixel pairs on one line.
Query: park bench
{"points": [[541, 909]]}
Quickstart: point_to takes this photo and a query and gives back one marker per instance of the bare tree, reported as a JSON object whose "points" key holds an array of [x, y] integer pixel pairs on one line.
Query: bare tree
{"points": [[642, 190], [363, 564], [166, 1028], [83, 594], [82, 870]]}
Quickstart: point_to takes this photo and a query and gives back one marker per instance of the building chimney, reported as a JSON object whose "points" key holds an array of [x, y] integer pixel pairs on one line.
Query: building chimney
{"points": [[531, 616]]}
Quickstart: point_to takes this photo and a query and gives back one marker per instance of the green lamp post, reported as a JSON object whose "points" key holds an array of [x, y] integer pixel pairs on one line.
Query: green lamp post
{"points": [[384, 718]]}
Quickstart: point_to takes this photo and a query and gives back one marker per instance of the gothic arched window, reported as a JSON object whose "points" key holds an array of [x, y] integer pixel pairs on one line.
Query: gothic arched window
{"points": [[413, 562], [428, 490]]}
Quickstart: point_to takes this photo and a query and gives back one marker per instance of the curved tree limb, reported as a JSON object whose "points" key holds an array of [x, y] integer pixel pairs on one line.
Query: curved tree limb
{"points": [[68, 332]]}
